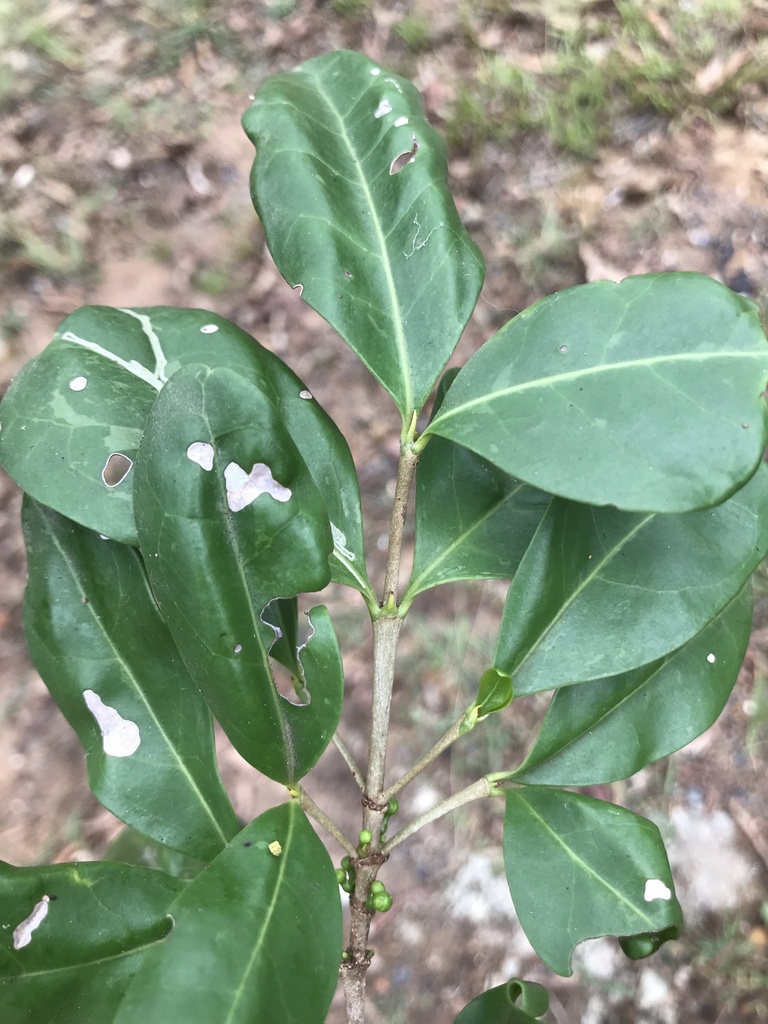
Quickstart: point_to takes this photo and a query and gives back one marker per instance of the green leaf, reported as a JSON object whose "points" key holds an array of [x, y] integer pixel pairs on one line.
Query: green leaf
{"points": [[97, 639], [601, 591], [257, 937], [214, 565], [611, 728], [495, 692], [579, 868], [131, 847], [473, 521], [100, 923], [646, 395], [88, 395], [371, 236], [498, 1005]]}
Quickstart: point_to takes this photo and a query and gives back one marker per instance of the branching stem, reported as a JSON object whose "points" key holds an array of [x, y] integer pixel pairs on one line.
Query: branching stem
{"points": [[349, 760], [309, 807], [442, 744], [482, 788]]}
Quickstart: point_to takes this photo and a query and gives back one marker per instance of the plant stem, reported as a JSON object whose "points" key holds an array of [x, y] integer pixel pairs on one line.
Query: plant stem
{"points": [[482, 788], [442, 744], [386, 631], [346, 753], [309, 806], [405, 471]]}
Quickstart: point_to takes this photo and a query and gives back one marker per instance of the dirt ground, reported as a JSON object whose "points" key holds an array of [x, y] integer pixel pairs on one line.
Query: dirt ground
{"points": [[123, 180]]}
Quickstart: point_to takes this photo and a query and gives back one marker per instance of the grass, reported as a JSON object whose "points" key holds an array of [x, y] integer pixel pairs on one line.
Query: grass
{"points": [[597, 66]]}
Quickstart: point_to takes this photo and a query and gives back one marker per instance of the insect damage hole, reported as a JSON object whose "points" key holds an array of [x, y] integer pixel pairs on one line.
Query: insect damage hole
{"points": [[78, 384], [403, 159], [120, 737], [22, 933], [116, 469]]}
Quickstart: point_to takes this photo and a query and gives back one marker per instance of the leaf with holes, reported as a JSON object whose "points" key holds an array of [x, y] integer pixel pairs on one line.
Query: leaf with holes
{"points": [[350, 184], [73, 418], [219, 482], [602, 591], [97, 639], [257, 936], [646, 395], [579, 868], [609, 729], [516, 1002], [74, 936]]}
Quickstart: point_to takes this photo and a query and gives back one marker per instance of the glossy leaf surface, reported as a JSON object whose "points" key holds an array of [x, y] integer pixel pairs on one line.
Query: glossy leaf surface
{"points": [[579, 868], [97, 639], [500, 1005], [88, 395], [131, 847], [350, 184], [258, 934], [473, 521], [602, 591], [191, 517], [646, 395], [101, 921], [609, 729]]}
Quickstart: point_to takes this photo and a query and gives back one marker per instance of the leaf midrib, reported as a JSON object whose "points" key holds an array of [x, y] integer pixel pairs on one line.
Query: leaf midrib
{"points": [[609, 555], [572, 375], [397, 318], [268, 914], [138, 690], [586, 868]]}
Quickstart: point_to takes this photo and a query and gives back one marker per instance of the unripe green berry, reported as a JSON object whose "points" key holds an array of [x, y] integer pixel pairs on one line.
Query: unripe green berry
{"points": [[377, 886], [392, 807], [365, 838], [382, 902], [341, 876]]}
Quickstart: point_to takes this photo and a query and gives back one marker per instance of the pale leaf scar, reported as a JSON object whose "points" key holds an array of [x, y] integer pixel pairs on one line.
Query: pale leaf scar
{"points": [[243, 488], [22, 933], [655, 889], [120, 737]]}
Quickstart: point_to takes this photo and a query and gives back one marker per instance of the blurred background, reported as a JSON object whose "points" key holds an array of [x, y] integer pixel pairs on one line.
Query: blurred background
{"points": [[587, 140]]}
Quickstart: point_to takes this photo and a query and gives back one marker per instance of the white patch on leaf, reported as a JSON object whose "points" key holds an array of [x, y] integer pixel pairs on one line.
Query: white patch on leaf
{"points": [[375, 71], [385, 107], [655, 889], [298, 288], [306, 395], [120, 737], [201, 453], [78, 384], [209, 329], [340, 543], [711, 658], [400, 122], [243, 488], [22, 933]]}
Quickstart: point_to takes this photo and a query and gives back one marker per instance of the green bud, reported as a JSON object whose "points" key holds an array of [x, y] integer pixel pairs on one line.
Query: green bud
{"points": [[377, 886], [365, 838], [341, 876], [392, 807], [346, 863], [382, 902]]}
